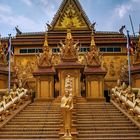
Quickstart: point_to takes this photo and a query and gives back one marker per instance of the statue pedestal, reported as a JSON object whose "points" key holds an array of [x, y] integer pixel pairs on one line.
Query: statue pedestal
{"points": [[66, 138], [94, 83], [44, 83], [74, 70]]}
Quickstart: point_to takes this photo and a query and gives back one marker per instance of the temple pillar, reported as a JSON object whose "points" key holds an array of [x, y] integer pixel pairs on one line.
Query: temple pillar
{"points": [[44, 84], [94, 83]]}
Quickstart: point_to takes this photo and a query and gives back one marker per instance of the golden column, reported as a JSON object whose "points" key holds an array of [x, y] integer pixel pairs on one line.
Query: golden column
{"points": [[45, 74], [94, 74], [69, 65]]}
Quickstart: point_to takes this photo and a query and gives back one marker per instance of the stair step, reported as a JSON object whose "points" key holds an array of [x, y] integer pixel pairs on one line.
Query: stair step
{"points": [[116, 138], [94, 131], [33, 126], [29, 136], [110, 135], [30, 129]]}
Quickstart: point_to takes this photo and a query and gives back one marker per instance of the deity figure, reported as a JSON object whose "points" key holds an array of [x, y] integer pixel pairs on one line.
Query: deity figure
{"points": [[13, 91], [129, 94], [118, 87], [66, 107], [20, 87], [124, 89]]}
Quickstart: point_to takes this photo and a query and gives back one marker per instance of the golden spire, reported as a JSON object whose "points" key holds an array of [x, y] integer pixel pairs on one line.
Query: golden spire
{"points": [[46, 40], [92, 45], [69, 36]]}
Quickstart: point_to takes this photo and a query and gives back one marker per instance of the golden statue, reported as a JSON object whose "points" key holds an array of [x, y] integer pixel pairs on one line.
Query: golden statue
{"points": [[13, 92], [66, 107], [118, 87], [124, 89], [129, 94]]}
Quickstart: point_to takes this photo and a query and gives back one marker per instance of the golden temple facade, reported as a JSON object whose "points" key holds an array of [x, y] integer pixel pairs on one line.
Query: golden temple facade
{"points": [[99, 59]]}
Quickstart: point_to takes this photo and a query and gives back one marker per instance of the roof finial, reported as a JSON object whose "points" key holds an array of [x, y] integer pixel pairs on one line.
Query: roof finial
{"points": [[92, 45], [46, 39]]}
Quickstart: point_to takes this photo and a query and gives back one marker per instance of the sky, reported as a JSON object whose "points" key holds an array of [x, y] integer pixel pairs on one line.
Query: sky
{"points": [[31, 15]]}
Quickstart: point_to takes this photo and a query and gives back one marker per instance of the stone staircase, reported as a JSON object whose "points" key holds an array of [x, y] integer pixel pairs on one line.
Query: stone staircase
{"points": [[102, 121], [40, 120], [95, 121]]}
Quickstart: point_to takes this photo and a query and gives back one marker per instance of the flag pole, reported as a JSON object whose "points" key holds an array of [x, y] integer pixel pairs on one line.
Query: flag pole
{"points": [[128, 55], [9, 64]]}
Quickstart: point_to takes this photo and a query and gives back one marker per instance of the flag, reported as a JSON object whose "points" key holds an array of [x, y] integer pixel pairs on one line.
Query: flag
{"points": [[9, 49], [130, 44]]}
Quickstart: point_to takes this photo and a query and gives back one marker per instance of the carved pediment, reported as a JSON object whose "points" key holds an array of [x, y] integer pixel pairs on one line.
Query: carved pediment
{"points": [[71, 14]]}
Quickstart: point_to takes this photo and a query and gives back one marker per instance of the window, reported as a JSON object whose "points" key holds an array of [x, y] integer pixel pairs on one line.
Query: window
{"points": [[23, 50], [117, 49], [84, 49], [110, 49], [30, 50], [55, 50]]}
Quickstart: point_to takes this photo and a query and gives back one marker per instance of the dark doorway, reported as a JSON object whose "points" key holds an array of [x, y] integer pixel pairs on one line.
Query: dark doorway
{"points": [[107, 95]]}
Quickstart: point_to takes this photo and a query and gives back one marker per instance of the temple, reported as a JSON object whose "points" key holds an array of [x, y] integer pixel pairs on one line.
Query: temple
{"points": [[71, 50]]}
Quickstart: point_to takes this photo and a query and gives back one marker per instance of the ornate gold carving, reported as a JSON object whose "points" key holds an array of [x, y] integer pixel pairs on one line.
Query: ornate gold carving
{"points": [[71, 16], [93, 57], [137, 53], [124, 71], [3, 60], [44, 59], [69, 50], [112, 69]]}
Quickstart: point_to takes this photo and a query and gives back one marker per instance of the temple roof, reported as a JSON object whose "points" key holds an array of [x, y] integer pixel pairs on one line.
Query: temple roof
{"points": [[70, 12]]}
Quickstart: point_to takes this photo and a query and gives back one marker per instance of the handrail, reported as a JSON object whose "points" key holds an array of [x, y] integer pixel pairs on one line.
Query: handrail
{"points": [[128, 99], [11, 101]]}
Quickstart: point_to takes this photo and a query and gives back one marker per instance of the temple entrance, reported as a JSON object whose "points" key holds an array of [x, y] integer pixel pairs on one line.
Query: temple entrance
{"points": [[74, 78]]}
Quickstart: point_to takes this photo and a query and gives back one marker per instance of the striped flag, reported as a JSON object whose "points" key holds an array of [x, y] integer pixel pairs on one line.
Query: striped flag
{"points": [[130, 44], [10, 51]]}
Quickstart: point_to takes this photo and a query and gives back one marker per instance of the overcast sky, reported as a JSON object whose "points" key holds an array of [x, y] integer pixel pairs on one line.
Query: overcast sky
{"points": [[31, 15]]}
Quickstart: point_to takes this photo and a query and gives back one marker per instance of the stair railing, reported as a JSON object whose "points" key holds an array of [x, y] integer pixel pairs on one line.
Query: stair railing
{"points": [[11, 101], [128, 99]]}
